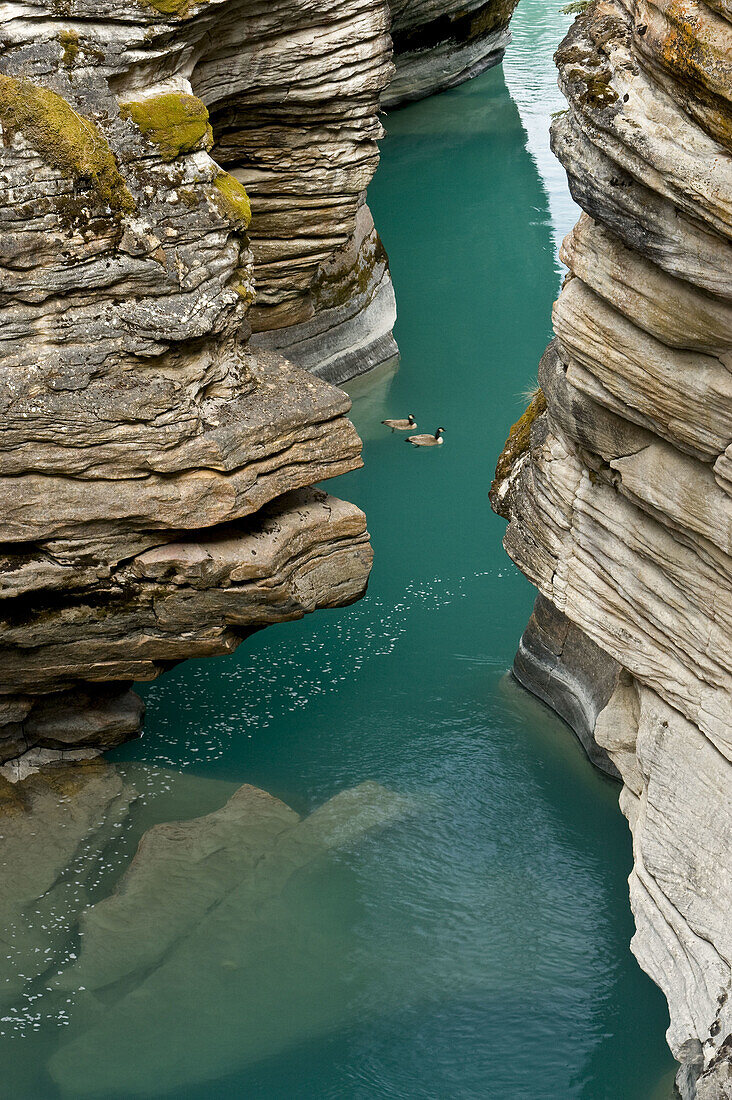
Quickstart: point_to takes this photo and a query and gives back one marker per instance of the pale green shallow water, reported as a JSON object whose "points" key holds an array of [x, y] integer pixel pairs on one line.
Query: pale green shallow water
{"points": [[479, 947]]}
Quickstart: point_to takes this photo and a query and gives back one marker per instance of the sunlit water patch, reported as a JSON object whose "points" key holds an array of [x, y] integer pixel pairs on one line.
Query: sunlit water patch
{"points": [[537, 28]]}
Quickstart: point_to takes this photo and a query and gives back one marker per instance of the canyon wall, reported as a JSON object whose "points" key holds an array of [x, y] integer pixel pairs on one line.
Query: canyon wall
{"points": [[441, 43], [617, 483], [293, 90], [156, 462]]}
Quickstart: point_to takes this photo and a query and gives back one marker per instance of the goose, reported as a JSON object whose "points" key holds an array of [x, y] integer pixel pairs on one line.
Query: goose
{"points": [[426, 440], [401, 425]]}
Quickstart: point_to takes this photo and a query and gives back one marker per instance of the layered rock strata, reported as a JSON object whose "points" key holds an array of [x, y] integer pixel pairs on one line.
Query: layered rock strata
{"points": [[617, 483], [438, 44], [154, 466], [293, 91]]}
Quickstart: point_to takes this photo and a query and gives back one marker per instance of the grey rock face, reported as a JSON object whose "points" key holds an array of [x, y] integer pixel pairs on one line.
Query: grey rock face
{"points": [[438, 44], [618, 494], [154, 465], [349, 329], [294, 92], [560, 664]]}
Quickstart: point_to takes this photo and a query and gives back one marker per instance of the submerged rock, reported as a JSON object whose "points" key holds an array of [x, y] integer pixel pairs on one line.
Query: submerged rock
{"points": [[619, 503], [219, 947], [48, 823]]}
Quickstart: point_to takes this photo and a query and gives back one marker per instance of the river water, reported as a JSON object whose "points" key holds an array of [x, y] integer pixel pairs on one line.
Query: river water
{"points": [[475, 945]]}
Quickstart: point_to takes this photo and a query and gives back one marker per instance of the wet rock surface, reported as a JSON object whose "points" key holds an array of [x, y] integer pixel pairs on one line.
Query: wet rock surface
{"points": [[619, 503], [139, 421]]}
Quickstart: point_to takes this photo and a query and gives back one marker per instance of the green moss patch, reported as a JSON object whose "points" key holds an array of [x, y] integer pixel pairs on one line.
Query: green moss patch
{"points": [[241, 286], [176, 122], [188, 196], [169, 7], [234, 199], [519, 438], [576, 8], [64, 139], [70, 46]]}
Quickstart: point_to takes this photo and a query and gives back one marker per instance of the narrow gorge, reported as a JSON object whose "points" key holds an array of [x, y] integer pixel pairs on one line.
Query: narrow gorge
{"points": [[440, 43], [353, 856], [616, 483]]}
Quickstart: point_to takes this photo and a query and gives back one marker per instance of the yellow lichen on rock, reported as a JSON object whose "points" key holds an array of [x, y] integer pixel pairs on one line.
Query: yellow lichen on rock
{"points": [[692, 43], [64, 139], [235, 199], [243, 285], [176, 122]]}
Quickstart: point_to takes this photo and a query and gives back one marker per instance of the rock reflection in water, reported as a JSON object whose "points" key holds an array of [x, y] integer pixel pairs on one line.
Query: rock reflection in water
{"points": [[236, 918]]}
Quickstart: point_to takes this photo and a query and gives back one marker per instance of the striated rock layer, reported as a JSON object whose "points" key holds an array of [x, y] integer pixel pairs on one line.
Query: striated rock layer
{"points": [[617, 483], [154, 466], [293, 90], [438, 44]]}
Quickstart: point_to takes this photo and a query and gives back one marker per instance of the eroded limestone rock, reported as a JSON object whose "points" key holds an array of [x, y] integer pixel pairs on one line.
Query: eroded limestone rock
{"points": [[294, 92], [619, 502], [150, 457]]}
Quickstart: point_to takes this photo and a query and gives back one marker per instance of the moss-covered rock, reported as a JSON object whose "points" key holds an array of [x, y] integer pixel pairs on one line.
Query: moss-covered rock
{"points": [[176, 122], [519, 437], [576, 8], [233, 198], [69, 40], [188, 196], [241, 283], [169, 7], [64, 139]]}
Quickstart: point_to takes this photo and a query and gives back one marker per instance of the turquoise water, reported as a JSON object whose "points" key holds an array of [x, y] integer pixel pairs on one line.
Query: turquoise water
{"points": [[478, 945]]}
